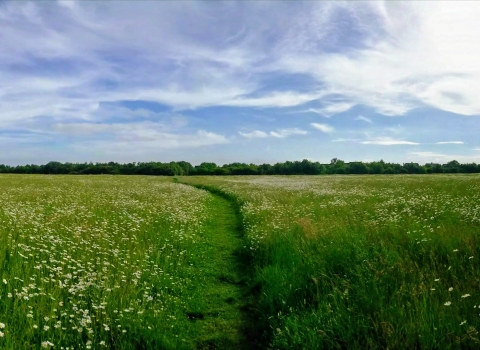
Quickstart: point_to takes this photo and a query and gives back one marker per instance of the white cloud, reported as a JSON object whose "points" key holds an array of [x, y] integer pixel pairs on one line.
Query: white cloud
{"points": [[346, 140], [365, 119], [60, 61], [387, 141], [281, 133], [323, 127], [404, 55], [142, 134], [275, 99], [409, 55], [330, 109], [87, 128], [450, 143], [146, 147], [429, 154], [476, 149], [254, 134]]}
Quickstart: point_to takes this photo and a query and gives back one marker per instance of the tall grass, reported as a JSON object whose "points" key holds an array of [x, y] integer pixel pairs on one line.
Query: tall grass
{"points": [[337, 261], [363, 262], [99, 262]]}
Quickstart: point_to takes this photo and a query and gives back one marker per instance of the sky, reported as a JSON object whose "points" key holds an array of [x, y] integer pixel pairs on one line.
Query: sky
{"points": [[248, 81]]}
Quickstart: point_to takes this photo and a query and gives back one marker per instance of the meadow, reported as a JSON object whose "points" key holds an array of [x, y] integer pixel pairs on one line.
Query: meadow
{"points": [[280, 262], [362, 262], [102, 262]]}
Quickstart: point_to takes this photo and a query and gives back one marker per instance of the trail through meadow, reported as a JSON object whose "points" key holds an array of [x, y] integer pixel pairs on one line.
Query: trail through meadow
{"points": [[223, 317]]}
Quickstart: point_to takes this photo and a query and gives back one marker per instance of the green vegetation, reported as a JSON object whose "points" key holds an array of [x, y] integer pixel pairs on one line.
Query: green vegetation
{"points": [[304, 167], [117, 263], [363, 262], [284, 262]]}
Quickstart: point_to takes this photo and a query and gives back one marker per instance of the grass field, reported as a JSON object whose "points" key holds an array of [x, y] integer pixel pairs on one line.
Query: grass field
{"points": [[363, 261], [301, 262], [110, 262]]}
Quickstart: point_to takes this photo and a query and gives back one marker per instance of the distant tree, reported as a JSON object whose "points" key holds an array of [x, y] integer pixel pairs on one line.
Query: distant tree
{"points": [[452, 167], [304, 167], [357, 168], [377, 167], [414, 168], [468, 168], [434, 168], [206, 168], [186, 167], [265, 169], [336, 167]]}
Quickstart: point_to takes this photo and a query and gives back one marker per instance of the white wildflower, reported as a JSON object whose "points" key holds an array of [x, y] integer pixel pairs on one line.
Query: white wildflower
{"points": [[46, 344], [448, 303]]}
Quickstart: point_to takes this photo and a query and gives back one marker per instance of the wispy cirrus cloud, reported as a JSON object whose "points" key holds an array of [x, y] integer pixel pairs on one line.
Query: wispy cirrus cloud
{"points": [[323, 127], [279, 133], [408, 55], [254, 134], [275, 99], [450, 143], [365, 119], [346, 140], [405, 56], [140, 134], [67, 67], [387, 141], [330, 109]]}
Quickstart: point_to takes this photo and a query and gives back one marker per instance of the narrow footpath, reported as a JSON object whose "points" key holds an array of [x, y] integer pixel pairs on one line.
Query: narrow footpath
{"points": [[224, 320]]}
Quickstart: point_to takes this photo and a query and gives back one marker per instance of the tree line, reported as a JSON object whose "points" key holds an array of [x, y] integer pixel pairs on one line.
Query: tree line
{"points": [[304, 167]]}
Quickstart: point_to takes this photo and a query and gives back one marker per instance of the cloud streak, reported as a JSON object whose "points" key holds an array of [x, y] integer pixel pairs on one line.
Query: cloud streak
{"points": [[365, 119], [450, 143], [139, 134], [279, 133], [323, 127], [388, 142], [254, 134]]}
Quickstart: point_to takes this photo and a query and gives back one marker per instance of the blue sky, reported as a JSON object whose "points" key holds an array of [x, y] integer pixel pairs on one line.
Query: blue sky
{"points": [[239, 81]]}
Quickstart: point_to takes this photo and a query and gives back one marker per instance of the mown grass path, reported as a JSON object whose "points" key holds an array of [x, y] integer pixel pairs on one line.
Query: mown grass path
{"points": [[222, 318]]}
